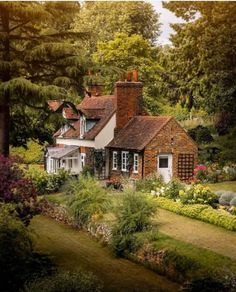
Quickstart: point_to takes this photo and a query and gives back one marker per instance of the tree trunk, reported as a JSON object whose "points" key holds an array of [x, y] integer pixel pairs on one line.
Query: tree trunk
{"points": [[4, 129], [4, 100]]}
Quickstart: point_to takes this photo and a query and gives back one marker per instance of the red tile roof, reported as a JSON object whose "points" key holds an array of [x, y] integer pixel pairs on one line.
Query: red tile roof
{"points": [[100, 108], [139, 132]]}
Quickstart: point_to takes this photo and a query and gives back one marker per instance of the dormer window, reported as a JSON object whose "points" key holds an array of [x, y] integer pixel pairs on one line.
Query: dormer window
{"points": [[64, 129], [82, 126]]}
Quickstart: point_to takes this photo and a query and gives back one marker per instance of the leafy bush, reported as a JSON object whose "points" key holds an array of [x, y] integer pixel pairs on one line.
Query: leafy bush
{"points": [[198, 194], [201, 134], [88, 170], [170, 190], [88, 199], [18, 261], [32, 154], [226, 197], [151, 182], [46, 182], [200, 212], [233, 201], [66, 282], [133, 215], [16, 189], [122, 244]]}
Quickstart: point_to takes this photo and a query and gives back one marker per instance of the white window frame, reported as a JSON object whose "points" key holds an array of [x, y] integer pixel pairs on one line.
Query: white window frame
{"points": [[136, 162], [114, 160], [124, 160], [82, 126], [82, 160]]}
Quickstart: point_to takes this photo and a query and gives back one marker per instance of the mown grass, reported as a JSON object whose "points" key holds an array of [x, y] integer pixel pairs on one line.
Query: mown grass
{"points": [[223, 186], [205, 261], [71, 250]]}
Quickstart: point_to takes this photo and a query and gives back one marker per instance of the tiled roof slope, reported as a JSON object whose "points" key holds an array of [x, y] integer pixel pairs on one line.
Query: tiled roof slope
{"points": [[99, 108], [139, 132]]}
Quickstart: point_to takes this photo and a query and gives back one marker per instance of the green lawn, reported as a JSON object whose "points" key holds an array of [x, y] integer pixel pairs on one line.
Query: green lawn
{"points": [[71, 249], [202, 260], [223, 186]]}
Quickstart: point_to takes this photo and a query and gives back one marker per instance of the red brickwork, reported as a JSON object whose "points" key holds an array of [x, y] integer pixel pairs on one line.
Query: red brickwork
{"points": [[129, 102], [171, 139], [118, 174]]}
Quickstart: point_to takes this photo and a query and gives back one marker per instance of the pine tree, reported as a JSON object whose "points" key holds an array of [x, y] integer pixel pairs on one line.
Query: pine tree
{"points": [[39, 59]]}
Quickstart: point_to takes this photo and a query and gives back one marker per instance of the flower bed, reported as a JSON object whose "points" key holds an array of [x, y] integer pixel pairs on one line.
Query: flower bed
{"points": [[201, 212]]}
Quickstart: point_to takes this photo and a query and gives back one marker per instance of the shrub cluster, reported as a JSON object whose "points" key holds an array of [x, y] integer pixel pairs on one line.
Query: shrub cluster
{"points": [[65, 282], [16, 189], [200, 212], [46, 182], [18, 261], [187, 194], [88, 199], [215, 173], [133, 215], [227, 198], [149, 183]]}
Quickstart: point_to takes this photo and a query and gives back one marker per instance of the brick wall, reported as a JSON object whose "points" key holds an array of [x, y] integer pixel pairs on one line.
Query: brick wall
{"points": [[171, 139], [129, 102], [118, 174]]}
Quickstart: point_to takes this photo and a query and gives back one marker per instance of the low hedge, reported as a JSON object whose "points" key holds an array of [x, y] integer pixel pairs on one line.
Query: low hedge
{"points": [[200, 212]]}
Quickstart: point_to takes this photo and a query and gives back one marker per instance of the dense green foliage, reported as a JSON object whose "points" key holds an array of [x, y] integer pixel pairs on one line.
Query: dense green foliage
{"points": [[200, 212], [109, 18], [201, 63], [16, 189], [18, 261], [88, 199], [133, 215], [46, 182], [65, 282], [30, 155], [149, 183], [38, 61]]}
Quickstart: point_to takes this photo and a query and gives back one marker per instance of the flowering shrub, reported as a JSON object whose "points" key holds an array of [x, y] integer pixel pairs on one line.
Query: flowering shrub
{"points": [[214, 173], [200, 172], [187, 194], [198, 194], [171, 190], [151, 182], [16, 189], [44, 182]]}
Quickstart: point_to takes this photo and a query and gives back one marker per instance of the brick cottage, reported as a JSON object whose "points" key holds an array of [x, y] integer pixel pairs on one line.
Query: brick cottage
{"points": [[132, 144]]}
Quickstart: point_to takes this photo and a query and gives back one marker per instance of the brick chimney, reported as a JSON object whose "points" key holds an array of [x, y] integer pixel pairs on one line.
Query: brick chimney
{"points": [[129, 99]]}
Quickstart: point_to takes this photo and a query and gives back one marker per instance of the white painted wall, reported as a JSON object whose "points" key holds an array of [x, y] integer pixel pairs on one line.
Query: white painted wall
{"points": [[76, 142], [106, 134]]}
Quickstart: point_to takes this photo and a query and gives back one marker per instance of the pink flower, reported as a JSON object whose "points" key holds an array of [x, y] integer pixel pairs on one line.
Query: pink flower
{"points": [[201, 167]]}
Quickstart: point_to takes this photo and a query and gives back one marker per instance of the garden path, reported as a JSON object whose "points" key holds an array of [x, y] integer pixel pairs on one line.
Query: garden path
{"points": [[72, 249], [197, 232]]}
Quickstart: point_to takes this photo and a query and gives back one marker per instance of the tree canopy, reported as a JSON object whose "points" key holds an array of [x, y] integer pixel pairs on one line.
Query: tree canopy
{"points": [[38, 59], [104, 19], [201, 63]]}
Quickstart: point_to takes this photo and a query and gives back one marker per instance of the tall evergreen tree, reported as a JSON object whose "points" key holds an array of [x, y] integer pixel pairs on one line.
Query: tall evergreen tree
{"points": [[202, 61], [39, 59]]}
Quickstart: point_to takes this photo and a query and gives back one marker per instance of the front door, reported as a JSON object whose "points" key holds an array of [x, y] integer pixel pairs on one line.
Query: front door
{"points": [[164, 166]]}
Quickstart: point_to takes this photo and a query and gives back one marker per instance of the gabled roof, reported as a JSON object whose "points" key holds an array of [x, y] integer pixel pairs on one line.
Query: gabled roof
{"points": [[58, 152], [99, 108], [139, 131]]}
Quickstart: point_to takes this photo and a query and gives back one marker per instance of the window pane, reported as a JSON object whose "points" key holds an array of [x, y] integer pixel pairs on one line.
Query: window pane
{"points": [[163, 162]]}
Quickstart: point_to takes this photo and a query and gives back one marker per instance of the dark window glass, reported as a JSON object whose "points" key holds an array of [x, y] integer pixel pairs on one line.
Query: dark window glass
{"points": [[163, 162]]}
